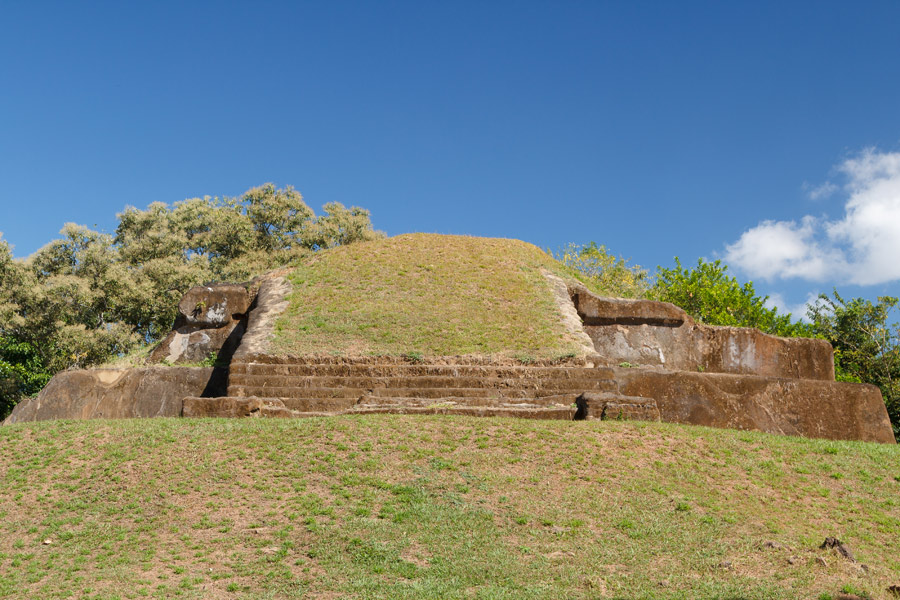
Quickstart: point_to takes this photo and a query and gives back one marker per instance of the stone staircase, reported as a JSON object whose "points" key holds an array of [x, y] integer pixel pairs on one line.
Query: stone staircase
{"points": [[300, 387]]}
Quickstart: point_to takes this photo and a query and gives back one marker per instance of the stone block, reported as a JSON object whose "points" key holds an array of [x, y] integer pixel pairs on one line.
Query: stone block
{"points": [[211, 322], [804, 407], [644, 332], [612, 407], [118, 393], [599, 310], [211, 306]]}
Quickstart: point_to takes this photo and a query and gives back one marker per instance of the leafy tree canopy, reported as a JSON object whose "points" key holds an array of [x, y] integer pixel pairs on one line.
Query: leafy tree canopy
{"points": [[709, 294], [866, 343]]}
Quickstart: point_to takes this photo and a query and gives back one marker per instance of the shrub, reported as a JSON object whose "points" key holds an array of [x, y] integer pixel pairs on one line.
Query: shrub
{"points": [[605, 272], [711, 296]]}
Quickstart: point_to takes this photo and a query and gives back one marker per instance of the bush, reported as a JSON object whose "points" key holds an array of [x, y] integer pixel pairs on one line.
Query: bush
{"points": [[866, 345], [21, 373], [711, 296], [604, 272]]}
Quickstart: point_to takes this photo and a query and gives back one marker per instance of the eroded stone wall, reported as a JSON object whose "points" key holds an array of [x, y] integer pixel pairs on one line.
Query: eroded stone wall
{"points": [[805, 407], [119, 393], [643, 332]]}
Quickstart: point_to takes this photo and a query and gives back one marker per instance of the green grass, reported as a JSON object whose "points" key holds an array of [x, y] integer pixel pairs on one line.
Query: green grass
{"points": [[135, 358], [438, 507], [139, 357], [424, 294]]}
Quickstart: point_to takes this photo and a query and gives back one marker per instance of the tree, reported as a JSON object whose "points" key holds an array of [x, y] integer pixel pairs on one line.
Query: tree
{"points": [[866, 344], [711, 296], [279, 217], [11, 277], [20, 369], [21, 373]]}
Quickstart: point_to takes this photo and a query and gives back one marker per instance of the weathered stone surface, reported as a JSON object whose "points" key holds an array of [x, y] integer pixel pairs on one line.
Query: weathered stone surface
{"points": [[805, 407], [211, 321], [570, 316], [230, 407], [609, 406], [598, 310], [234, 407], [118, 393], [811, 408], [197, 346], [270, 303], [657, 333], [689, 373], [220, 407], [552, 413], [212, 306], [694, 347]]}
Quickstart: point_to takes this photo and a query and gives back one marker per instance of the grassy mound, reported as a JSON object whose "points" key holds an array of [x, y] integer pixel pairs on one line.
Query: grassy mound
{"points": [[425, 294], [439, 507]]}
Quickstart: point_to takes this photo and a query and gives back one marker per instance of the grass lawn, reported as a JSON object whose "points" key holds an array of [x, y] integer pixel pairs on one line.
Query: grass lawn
{"points": [[424, 294], [439, 507]]}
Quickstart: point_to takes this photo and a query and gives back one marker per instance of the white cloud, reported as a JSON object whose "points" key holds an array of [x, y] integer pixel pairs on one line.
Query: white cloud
{"points": [[821, 191], [861, 248], [784, 249], [797, 311]]}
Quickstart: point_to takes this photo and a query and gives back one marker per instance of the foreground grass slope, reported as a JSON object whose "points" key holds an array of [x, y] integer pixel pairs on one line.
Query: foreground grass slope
{"points": [[426, 294], [438, 507]]}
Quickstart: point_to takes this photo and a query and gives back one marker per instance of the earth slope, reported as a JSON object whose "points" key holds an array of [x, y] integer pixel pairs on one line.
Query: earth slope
{"points": [[426, 294]]}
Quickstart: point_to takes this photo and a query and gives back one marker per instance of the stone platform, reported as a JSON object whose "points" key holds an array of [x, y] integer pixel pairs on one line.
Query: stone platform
{"points": [[650, 361], [301, 387]]}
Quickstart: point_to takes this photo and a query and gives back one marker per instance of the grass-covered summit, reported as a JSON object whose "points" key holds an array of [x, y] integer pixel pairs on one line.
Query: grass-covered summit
{"points": [[426, 294]]}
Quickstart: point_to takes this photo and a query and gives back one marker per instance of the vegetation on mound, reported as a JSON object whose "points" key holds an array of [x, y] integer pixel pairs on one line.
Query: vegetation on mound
{"points": [[424, 294], [88, 297], [439, 507]]}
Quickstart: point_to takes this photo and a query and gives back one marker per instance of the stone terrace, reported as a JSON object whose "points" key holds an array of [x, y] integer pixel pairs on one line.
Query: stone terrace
{"points": [[650, 361]]}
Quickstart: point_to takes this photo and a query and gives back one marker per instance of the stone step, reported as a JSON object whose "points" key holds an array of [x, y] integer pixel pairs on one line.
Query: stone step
{"points": [[546, 390], [226, 406], [560, 400], [355, 393], [487, 361], [611, 407], [401, 370], [340, 404], [486, 393], [520, 412], [263, 391], [286, 381], [231, 407], [320, 404]]}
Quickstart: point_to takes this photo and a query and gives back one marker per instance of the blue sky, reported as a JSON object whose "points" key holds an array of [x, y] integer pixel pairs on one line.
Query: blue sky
{"points": [[764, 133]]}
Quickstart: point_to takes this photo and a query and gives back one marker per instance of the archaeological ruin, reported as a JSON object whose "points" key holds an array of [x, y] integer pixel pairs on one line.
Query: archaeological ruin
{"points": [[644, 360]]}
